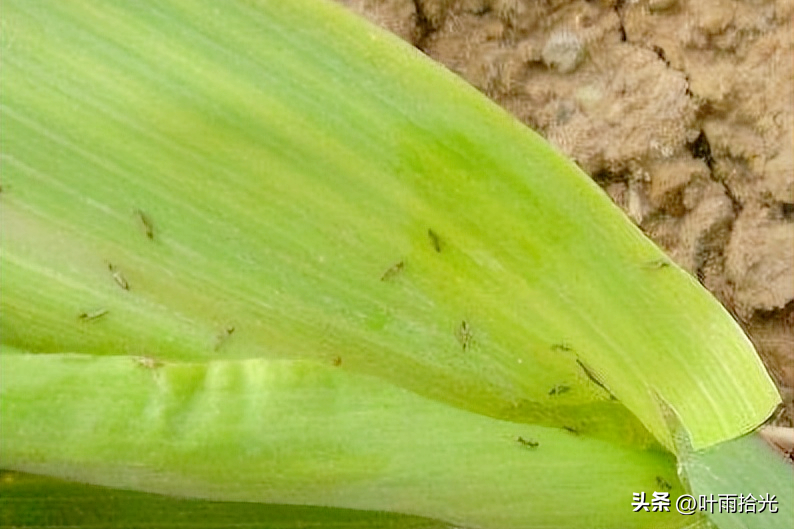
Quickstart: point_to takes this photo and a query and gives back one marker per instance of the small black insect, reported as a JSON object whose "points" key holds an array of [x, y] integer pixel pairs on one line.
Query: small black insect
{"points": [[393, 271], [464, 335], [527, 442], [94, 315], [223, 336], [559, 389], [561, 347], [146, 223], [663, 483], [657, 264], [337, 361], [118, 277], [435, 240], [571, 430], [594, 378]]}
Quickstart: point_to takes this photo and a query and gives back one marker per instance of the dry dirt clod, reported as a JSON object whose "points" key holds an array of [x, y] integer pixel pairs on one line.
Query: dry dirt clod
{"points": [[564, 51], [760, 261]]}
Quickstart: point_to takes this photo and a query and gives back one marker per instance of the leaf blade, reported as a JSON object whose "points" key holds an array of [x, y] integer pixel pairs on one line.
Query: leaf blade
{"points": [[175, 108], [296, 432]]}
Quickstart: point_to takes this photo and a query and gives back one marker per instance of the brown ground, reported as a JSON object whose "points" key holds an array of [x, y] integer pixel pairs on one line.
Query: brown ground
{"points": [[680, 109]]}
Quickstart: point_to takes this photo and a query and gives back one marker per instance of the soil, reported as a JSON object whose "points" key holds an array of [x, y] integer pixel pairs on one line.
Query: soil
{"points": [[682, 110]]}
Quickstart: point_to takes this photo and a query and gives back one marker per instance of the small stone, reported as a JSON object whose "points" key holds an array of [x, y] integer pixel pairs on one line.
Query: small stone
{"points": [[563, 51], [661, 5]]}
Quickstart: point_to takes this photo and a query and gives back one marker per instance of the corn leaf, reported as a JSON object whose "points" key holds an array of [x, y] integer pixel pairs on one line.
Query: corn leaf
{"points": [[276, 198], [295, 432], [739, 484], [31, 501], [286, 169]]}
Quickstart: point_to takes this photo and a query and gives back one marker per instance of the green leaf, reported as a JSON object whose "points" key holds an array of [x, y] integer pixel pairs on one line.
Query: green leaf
{"points": [[743, 483], [286, 156], [296, 432], [264, 251], [28, 500]]}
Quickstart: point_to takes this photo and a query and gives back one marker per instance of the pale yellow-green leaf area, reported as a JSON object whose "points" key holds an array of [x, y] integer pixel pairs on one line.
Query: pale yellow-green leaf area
{"points": [[297, 432], [199, 181]]}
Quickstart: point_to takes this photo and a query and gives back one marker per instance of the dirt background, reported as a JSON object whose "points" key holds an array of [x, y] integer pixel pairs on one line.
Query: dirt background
{"points": [[680, 109]]}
